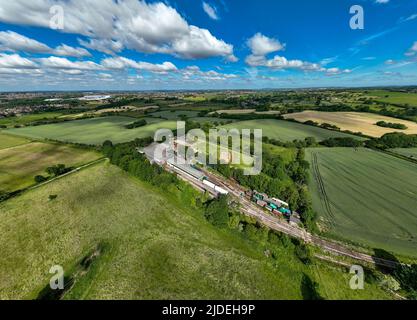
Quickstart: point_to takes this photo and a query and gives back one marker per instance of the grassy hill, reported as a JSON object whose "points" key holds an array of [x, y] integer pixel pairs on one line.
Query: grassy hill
{"points": [[145, 245], [19, 165]]}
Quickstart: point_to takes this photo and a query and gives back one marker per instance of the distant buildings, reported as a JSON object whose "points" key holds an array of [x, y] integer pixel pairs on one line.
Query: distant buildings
{"points": [[94, 98]]}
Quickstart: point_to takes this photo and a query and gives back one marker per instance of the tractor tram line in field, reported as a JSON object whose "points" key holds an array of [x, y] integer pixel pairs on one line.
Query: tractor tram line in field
{"points": [[322, 188]]}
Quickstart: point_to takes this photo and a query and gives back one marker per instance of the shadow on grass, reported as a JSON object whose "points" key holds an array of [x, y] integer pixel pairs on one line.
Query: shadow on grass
{"points": [[309, 289]]}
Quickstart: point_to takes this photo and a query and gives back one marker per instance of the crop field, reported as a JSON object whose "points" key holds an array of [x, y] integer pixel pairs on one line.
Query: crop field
{"points": [[366, 196], [286, 130], [354, 121], [212, 120], [402, 98], [152, 247], [408, 152], [246, 111], [8, 141], [25, 119], [93, 131], [19, 165], [174, 114]]}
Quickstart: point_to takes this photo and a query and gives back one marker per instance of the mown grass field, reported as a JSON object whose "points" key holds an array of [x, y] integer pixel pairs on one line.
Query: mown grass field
{"points": [[174, 114], [8, 141], [93, 131], [354, 121], [19, 165], [395, 97], [155, 248], [286, 130], [366, 196], [25, 119], [408, 152]]}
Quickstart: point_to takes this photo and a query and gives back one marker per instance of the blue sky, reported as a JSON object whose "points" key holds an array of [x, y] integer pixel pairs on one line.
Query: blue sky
{"points": [[212, 44]]}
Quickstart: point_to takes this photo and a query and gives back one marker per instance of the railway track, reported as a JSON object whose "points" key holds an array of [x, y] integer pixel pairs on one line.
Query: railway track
{"points": [[250, 209]]}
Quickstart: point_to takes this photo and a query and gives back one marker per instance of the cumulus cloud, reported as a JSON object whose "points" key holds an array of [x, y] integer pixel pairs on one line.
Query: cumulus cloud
{"points": [[118, 63], [194, 73], [210, 10], [261, 45], [336, 71], [16, 61], [107, 46], [132, 24], [64, 50], [63, 63], [12, 41]]}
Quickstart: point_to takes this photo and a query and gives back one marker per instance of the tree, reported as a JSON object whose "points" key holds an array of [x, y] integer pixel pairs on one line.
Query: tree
{"points": [[57, 170], [136, 124], [107, 147], [303, 253], [310, 142], [407, 277], [40, 179], [217, 212]]}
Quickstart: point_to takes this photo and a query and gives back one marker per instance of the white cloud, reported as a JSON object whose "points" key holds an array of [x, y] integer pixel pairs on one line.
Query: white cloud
{"points": [[210, 10], [200, 43], [12, 41], [119, 63], [15, 61], [63, 63], [327, 61], [194, 73], [279, 62], [132, 24], [381, 1], [12, 71], [412, 17], [67, 51], [261, 45], [72, 71], [412, 51], [336, 71], [102, 45]]}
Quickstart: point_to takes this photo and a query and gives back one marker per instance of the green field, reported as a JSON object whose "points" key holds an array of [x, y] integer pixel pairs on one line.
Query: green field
{"points": [[8, 141], [366, 196], [408, 152], [286, 130], [19, 165], [154, 247], [211, 120], [174, 114], [395, 97], [93, 131], [28, 118]]}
